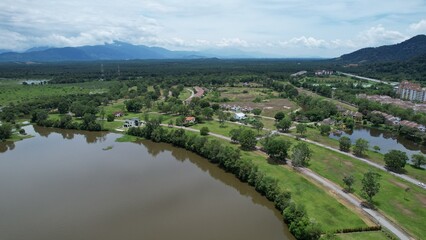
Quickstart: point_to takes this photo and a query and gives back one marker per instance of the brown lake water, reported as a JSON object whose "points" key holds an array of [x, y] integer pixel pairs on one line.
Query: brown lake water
{"points": [[64, 185]]}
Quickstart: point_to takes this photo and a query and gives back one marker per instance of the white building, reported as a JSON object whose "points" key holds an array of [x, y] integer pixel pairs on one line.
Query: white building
{"points": [[134, 122], [411, 91], [240, 116]]}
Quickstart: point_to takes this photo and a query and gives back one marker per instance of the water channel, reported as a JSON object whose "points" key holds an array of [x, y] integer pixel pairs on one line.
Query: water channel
{"points": [[64, 185], [386, 140]]}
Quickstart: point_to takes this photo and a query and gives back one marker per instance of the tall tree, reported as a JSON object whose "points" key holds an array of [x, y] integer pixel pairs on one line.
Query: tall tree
{"points": [[370, 185], [301, 155], [247, 139], [361, 145], [284, 124], [395, 160], [345, 144], [418, 160], [5, 131], [258, 125], [277, 148], [222, 117], [279, 116], [257, 111], [133, 105], [349, 181], [325, 129], [301, 128]]}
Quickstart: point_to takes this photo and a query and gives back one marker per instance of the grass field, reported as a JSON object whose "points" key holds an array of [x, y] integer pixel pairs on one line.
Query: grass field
{"points": [[376, 235], [12, 91], [344, 105], [270, 103], [320, 206], [185, 94], [214, 126], [314, 135], [408, 208], [325, 209]]}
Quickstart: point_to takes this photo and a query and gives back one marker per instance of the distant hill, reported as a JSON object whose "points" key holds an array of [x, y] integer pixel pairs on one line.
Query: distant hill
{"points": [[115, 51], [403, 51]]}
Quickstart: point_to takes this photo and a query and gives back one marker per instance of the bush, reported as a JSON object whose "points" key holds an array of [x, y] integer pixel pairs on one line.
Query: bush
{"points": [[345, 144], [395, 160], [5, 131], [204, 131], [110, 117]]}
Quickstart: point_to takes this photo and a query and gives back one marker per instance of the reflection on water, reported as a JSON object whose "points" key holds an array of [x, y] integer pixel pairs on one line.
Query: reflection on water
{"points": [[386, 140], [57, 186], [91, 137], [4, 146]]}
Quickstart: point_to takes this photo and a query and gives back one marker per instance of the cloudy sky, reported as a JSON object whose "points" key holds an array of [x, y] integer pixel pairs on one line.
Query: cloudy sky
{"points": [[284, 28]]}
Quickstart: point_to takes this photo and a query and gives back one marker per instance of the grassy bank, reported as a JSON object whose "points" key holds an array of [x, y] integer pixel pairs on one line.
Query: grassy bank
{"points": [[314, 135], [320, 205], [407, 208]]}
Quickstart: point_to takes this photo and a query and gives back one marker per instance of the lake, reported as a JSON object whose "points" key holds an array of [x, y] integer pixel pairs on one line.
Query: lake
{"points": [[64, 184], [386, 140]]}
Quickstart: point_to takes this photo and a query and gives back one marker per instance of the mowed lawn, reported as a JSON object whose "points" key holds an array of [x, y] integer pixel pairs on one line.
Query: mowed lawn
{"points": [[377, 235], [314, 135], [406, 207], [331, 214], [215, 127]]}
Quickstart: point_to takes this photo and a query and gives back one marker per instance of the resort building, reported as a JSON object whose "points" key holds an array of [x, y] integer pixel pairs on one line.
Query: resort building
{"points": [[411, 91]]}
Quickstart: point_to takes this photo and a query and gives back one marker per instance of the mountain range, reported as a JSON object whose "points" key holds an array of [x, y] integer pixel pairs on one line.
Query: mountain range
{"points": [[407, 50], [403, 51], [116, 51]]}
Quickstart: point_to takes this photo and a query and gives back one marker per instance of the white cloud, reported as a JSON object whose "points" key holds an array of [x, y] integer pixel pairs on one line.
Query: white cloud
{"points": [[309, 42], [330, 28], [419, 27], [378, 35], [232, 42]]}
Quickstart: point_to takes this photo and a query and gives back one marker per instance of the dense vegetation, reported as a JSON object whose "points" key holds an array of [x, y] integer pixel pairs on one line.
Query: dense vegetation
{"points": [[398, 52]]}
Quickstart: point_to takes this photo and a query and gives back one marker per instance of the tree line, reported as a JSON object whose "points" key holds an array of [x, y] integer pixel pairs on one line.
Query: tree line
{"points": [[229, 158]]}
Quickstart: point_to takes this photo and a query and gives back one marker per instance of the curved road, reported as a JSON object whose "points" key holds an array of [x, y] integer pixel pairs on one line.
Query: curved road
{"points": [[192, 95]]}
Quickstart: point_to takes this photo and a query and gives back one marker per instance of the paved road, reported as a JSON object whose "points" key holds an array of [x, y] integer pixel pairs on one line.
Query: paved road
{"points": [[190, 97], [382, 220], [379, 218], [365, 78], [402, 176]]}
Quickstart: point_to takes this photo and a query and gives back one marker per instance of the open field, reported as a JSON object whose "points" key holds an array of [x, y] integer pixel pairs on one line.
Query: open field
{"points": [[185, 94], [12, 91], [376, 235], [268, 100], [325, 209], [408, 208], [338, 103], [214, 126]]}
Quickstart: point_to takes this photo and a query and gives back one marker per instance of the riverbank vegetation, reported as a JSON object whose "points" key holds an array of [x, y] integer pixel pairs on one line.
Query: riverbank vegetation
{"points": [[255, 170], [76, 99]]}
